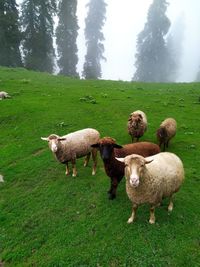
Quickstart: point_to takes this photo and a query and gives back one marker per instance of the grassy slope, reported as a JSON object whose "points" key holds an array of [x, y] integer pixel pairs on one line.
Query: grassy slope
{"points": [[48, 219]]}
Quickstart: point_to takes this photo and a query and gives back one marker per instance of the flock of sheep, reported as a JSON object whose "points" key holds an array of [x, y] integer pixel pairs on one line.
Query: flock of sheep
{"points": [[151, 175]]}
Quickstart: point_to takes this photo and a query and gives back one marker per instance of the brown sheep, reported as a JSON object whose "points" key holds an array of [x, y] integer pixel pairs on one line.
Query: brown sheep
{"points": [[115, 169], [137, 124], [166, 131]]}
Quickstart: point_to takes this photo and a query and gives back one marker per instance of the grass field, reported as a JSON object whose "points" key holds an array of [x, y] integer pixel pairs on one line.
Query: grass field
{"points": [[48, 219]]}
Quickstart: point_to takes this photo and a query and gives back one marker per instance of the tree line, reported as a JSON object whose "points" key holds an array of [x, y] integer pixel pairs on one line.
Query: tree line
{"points": [[27, 34]]}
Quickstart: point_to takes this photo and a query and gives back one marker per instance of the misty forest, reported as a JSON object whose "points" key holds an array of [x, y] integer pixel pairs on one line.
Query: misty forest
{"points": [[30, 39]]}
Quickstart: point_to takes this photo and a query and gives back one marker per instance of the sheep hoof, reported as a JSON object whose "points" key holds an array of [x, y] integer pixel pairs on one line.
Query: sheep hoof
{"points": [[93, 172], [112, 196], [74, 175], [170, 207], [152, 221], [130, 220]]}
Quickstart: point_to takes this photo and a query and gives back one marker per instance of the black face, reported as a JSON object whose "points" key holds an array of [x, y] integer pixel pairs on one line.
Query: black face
{"points": [[106, 151]]}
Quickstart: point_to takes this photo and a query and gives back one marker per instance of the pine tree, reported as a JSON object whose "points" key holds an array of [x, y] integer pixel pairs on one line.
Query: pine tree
{"points": [[66, 35], [10, 35], [152, 53], [94, 37], [174, 43], [37, 21]]}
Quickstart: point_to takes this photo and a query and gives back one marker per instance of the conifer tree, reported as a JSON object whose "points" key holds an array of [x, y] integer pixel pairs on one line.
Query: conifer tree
{"points": [[66, 35], [10, 35], [94, 39], [152, 54], [37, 21], [174, 44]]}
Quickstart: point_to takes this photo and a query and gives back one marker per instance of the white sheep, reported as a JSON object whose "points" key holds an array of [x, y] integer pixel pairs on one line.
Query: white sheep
{"points": [[137, 124], [4, 95], [74, 145], [166, 131], [149, 180]]}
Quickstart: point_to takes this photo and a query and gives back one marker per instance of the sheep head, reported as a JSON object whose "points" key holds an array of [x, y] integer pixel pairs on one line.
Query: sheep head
{"points": [[134, 168], [106, 147], [54, 141]]}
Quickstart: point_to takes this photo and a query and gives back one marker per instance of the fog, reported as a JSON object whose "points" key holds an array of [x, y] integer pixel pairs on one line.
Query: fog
{"points": [[125, 19]]}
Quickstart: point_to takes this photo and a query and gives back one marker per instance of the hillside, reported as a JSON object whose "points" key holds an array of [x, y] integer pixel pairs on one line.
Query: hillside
{"points": [[48, 219]]}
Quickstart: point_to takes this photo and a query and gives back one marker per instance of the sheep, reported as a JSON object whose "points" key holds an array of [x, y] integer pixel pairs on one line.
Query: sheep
{"points": [[4, 95], [137, 124], [115, 169], [74, 145], [150, 179], [166, 131]]}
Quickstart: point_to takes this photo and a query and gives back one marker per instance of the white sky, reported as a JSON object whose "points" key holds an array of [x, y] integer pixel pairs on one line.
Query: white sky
{"points": [[125, 19]]}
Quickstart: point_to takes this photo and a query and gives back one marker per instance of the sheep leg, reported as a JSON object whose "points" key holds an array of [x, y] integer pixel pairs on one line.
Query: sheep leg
{"points": [[113, 188], [164, 145], [133, 214], [171, 205], [67, 169], [160, 144], [167, 143], [87, 158], [152, 215], [74, 171], [94, 158]]}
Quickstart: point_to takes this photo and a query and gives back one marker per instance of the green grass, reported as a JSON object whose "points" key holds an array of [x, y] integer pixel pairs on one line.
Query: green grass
{"points": [[48, 219]]}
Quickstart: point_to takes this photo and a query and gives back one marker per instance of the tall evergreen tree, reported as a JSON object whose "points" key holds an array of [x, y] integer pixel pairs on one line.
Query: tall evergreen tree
{"points": [[93, 33], [66, 35], [37, 21], [152, 53], [174, 43], [10, 35]]}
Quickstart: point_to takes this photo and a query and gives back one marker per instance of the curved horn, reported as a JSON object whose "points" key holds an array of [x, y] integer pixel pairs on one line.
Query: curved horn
{"points": [[148, 161], [61, 139]]}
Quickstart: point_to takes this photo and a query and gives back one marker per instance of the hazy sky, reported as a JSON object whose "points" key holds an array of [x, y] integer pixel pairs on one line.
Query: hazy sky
{"points": [[125, 19]]}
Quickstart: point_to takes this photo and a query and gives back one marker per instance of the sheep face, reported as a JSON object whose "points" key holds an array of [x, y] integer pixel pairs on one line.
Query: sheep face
{"points": [[134, 168], [106, 150], [136, 120], [162, 134], [54, 142]]}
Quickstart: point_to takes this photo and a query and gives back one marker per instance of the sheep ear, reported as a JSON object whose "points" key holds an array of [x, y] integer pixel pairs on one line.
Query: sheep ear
{"points": [[117, 146], [95, 145], [120, 159], [45, 138], [148, 161]]}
